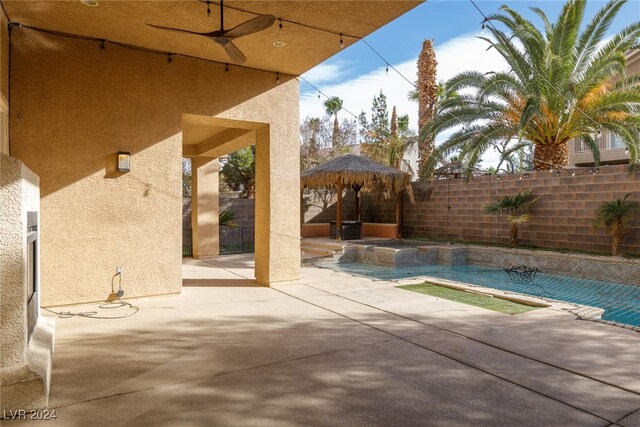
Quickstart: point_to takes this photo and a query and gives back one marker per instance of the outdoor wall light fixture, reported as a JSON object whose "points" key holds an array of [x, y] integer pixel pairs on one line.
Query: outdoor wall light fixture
{"points": [[90, 3], [124, 161]]}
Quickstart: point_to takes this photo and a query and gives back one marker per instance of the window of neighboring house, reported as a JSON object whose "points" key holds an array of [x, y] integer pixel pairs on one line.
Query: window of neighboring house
{"points": [[617, 142]]}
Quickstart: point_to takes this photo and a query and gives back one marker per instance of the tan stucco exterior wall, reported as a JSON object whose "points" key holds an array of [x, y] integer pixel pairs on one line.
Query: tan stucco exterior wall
{"points": [[4, 84], [74, 106]]}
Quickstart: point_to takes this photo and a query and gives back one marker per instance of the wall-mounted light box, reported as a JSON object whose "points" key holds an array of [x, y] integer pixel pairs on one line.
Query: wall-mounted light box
{"points": [[124, 161]]}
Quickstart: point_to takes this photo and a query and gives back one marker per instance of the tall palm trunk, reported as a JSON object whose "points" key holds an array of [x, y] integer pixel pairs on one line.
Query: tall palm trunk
{"points": [[427, 95], [336, 131], [551, 156], [513, 235]]}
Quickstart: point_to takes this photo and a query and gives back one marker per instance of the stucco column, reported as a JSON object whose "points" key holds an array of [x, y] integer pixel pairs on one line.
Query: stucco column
{"points": [[277, 232], [205, 202]]}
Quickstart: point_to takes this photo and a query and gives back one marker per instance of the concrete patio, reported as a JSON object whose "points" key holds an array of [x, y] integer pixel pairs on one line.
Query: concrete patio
{"points": [[337, 350]]}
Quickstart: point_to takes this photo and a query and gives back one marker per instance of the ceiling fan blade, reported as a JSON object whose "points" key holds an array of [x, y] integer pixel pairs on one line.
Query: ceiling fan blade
{"points": [[251, 26], [179, 30], [234, 53]]}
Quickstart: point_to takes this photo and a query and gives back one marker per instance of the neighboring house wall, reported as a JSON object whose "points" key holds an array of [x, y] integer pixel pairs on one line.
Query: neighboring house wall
{"points": [[74, 106], [562, 218], [612, 149]]}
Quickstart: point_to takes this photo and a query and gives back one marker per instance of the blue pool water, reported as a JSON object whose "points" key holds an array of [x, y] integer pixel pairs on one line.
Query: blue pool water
{"points": [[620, 302]]}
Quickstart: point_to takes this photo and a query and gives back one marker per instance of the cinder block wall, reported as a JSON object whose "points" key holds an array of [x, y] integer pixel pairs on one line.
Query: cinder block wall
{"points": [[562, 218], [244, 209]]}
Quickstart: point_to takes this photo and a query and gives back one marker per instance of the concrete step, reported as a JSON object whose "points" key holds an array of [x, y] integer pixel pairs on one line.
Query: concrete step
{"points": [[322, 245], [317, 251]]}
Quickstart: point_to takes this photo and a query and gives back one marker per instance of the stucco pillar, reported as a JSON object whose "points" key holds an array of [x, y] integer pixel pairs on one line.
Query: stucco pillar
{"points": [[205, 201], [277, 230], [25, 359]]}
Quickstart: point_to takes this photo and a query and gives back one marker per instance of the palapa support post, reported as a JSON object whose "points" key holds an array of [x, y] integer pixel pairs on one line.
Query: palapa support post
{"points": [[399, 208], [339, 212], [357, 188]]}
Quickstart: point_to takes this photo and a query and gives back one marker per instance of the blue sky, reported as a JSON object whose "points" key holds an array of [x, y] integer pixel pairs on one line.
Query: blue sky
{"points": [[356, 74]]}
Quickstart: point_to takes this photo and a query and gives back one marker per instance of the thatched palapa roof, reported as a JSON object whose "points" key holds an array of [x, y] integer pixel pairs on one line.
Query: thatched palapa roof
{"points": [[352, 169]]}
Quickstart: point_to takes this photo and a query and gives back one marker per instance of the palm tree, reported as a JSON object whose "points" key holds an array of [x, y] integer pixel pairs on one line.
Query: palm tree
{"points": [[514, 206], [332, 106], [562, 84], [427, 94], [615, 215]]}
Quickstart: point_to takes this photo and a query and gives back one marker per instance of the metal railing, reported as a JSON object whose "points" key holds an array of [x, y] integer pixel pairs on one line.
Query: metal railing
{"points": [[237, 240], [606, 141]]}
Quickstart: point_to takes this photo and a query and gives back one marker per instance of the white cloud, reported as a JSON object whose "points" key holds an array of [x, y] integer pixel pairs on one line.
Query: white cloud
{"points": [[327, 72], [463, 53], [456, 55]]}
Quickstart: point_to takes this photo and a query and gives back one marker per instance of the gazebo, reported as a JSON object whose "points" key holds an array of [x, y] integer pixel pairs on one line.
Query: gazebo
{"points": [[358, 172]]}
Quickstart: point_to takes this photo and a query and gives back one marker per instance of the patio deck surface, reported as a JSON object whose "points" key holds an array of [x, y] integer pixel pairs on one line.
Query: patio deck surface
{"points": [[337, 350]]}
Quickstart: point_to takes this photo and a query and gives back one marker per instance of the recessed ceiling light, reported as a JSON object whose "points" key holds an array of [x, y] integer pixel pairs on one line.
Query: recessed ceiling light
{"points": [[90, 3], [279, 44]]}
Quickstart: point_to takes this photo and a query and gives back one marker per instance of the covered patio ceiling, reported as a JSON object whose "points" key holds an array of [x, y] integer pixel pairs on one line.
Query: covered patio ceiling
{"points": [[310, 29]]}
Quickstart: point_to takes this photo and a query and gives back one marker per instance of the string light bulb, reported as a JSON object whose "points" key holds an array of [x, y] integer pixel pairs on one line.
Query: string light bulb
{"points": [[102, 45], [484, 27], [208, 9], [169, 58], [280, 23], [226, 69], [531, 75], [341, 42], [599, 132], [277, 78], [573, 172], [318, 94], [387, 69]]}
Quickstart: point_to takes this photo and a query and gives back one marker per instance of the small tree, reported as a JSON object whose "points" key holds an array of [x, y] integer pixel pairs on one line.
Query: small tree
{"points": [[239, 171], [615, 215], [514, 206]]}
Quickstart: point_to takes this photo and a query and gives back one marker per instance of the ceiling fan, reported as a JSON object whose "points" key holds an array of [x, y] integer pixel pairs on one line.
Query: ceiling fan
{"points": [[225, 37]]}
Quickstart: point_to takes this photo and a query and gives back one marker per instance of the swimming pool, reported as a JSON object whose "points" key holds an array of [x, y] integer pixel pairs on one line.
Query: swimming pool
{"points": [[621, 303]]}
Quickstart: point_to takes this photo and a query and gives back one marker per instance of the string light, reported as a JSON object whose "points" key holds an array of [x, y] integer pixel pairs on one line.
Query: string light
{"points": [[387, 69], [226, 69], [341, 42], [280, 23], [169, 58], [102, 45], [573, 172], [208, 9], [277, 78], [484, 27], [324, 94]]}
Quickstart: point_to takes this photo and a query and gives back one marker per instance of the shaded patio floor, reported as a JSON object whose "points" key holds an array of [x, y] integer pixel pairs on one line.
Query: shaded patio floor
{"points": [[337, 350]]}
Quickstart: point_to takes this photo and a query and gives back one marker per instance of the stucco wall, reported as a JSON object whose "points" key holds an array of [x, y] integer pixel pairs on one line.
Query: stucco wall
{"points": [[75, 105], [18, 195]]}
